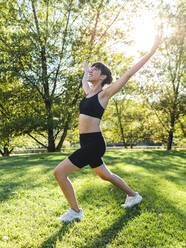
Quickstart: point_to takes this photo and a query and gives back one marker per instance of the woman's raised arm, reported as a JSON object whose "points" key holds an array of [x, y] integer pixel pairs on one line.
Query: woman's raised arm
{"points": [[85, 84], [117, 85]]}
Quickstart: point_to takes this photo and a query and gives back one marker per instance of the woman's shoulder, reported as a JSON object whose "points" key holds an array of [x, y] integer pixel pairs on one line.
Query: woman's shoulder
{"points": [[103, 94]]}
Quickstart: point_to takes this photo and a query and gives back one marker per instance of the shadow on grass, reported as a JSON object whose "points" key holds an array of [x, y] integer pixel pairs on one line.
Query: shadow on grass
{"points": [[20, 173], [148, 188], [153, 202], [154, 161], [51, 241], [20, 169], [108, 234], [31, 160], [101, 240]]}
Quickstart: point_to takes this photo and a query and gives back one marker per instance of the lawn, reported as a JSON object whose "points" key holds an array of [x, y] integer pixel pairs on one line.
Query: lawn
{"points": [[30, 202]]}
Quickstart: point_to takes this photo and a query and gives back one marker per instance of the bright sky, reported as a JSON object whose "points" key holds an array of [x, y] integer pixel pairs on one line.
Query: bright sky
{"points": [[143, 34]]}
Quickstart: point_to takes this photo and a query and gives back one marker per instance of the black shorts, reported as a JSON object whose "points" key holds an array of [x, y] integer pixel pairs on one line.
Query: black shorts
{"points": [[92, 149]]}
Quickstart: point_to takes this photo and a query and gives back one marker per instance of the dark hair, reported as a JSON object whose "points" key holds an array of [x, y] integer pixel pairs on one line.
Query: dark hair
{"points": [[104, 71]]}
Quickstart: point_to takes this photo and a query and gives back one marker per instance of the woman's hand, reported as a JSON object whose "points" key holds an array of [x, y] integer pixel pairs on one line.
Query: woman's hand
{"points": [[157, 41], [117, 86], [85, 84], [86, 67]]}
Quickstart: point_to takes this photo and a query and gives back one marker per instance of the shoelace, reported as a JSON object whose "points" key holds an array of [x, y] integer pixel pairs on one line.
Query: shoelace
{"points": [[69, 212], [129, 198]]}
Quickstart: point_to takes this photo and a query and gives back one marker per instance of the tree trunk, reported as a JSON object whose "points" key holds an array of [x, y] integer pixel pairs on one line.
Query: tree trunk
{"points": [[62, 137], [6, 152], [51, 141], [120, 124], [60, 144], [48, 104], [170, 139], [171, 132]]}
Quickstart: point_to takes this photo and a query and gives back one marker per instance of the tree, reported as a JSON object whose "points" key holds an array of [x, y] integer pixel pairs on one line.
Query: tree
{"points": [[127, 120], [44, 43], [10, 127], [165, 93]]}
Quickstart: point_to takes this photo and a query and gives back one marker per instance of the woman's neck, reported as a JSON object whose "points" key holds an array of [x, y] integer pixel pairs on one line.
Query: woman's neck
{"points": [[96, 89]]}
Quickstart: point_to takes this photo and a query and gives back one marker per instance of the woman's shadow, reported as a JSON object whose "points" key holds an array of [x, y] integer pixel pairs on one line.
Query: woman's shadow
{"points": [[101, 239], [51, 241]]}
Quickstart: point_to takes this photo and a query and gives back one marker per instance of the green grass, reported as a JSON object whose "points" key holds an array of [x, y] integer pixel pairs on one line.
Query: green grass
{"points": [[28, 216]]}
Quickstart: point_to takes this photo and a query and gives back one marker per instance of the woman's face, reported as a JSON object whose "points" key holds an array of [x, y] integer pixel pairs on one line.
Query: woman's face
{"points": [[95, 75]]}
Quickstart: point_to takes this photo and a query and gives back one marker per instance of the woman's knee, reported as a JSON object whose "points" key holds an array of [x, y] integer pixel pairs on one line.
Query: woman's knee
{"points": [[64, 169], [56, 173], [103, 172], [59, 172], [106, 176]]}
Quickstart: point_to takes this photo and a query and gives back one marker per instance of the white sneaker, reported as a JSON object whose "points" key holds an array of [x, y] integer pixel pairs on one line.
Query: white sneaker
{"points": [[132, 200], [71, 215]]}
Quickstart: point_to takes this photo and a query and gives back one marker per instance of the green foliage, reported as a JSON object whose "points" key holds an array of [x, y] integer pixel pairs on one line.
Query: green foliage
{"points": [[43, 44], [127, 121], [165, 84], [10, 129], [42, 47]]}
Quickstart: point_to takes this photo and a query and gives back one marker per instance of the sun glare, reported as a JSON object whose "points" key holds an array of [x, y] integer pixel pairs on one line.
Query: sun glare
{"points": [[144, 32]]}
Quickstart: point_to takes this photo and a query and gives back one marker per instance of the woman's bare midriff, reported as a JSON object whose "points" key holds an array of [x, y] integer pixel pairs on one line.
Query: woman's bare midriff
{"points": [[88, 124]]}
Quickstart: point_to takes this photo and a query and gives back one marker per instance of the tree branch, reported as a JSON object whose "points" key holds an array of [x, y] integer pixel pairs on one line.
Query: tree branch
{"points": [[2, 111], [37, 140], [25, 18], [46, 36], [95, 27], [62, 49], [27, 78], [116, 17], [151, 105], [92, 38], [67, 122], [36, 23]]}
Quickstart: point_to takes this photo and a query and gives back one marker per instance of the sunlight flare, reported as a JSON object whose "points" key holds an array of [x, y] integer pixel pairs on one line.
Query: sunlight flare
{"points": [[144, 32]]}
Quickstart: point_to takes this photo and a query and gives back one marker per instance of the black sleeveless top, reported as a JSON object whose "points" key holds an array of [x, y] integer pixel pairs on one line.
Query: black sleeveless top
{"points": [[91, 107]]}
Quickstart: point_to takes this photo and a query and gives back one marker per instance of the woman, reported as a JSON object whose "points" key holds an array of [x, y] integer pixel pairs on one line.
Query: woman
{"points": [[91, 140]]}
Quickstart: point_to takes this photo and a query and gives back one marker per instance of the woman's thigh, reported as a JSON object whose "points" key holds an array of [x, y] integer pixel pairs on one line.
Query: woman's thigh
{"points": [[65, 168], [103, 171]]}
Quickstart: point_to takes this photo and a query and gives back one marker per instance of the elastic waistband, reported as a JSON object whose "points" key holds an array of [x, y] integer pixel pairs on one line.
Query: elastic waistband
{"points": [[90, 135]]}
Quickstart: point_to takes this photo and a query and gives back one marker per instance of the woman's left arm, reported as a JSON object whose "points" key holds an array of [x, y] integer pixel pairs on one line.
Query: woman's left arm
{"points": [[116, 86]]}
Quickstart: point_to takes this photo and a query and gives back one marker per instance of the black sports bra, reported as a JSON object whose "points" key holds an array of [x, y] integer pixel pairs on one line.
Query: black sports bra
{"points": [[91, 107]]}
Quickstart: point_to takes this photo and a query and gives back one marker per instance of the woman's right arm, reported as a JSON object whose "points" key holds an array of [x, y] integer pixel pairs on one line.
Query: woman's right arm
{"points": [[85, 84]]}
